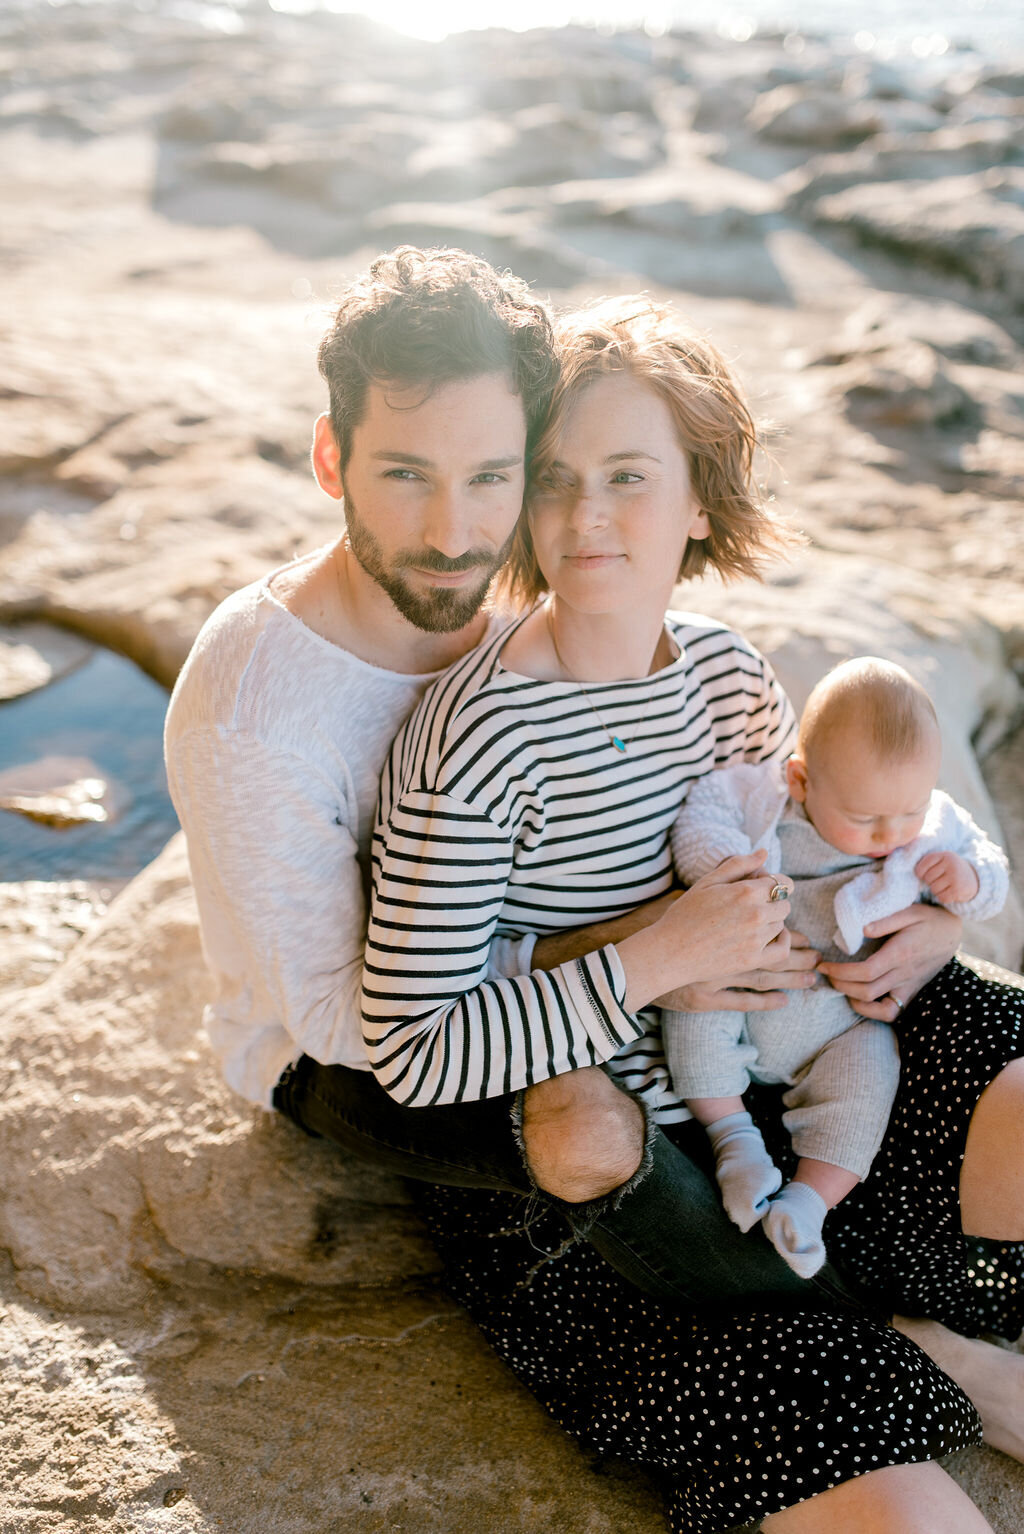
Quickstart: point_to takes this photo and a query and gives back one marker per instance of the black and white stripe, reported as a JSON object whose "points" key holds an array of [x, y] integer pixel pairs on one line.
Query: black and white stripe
{"points": [[505, 809]]}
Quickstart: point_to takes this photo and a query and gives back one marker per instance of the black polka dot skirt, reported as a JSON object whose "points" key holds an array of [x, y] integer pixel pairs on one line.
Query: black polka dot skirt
{"points": [[744, 1412], [899, 1233], [738, 1414]]}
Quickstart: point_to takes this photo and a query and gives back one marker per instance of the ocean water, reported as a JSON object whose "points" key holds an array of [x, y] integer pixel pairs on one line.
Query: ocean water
{"points": [[992, 30]]}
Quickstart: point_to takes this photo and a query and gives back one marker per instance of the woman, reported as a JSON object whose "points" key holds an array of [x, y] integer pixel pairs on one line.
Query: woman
{"points": [[533, 789]]}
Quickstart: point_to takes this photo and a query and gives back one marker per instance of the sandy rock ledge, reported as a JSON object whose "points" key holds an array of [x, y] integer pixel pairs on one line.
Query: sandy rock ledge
{"points": [[210, 1322]]}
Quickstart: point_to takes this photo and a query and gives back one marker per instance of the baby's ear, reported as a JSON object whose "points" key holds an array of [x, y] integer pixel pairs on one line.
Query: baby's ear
{"points": [[796, 779]]}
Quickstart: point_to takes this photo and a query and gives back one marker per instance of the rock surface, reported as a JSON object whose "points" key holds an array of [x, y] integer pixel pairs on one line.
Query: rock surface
{"points": [[211, 1322], [207, 1312]]}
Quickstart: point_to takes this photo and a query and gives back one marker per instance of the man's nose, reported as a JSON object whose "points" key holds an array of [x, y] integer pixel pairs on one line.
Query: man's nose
{"points": [[448, 526]]}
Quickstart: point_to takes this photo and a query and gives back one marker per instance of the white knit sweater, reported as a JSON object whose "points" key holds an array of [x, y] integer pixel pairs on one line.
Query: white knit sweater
{"points": [[275, 739]]}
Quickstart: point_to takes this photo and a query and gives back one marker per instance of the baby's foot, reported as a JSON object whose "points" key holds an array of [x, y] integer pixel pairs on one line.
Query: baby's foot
{"points": [[793, 1226], [746, 1173]]}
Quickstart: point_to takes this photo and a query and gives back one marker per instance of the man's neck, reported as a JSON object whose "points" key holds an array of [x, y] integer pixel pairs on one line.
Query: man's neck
{"points": [[336, 598]]}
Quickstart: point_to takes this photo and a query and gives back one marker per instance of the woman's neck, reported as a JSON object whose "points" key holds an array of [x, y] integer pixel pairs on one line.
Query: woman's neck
{"points": [[605, 647]]}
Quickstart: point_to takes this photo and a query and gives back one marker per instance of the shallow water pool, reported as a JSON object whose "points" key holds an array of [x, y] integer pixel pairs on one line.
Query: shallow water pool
{"points": [[111, 713]]}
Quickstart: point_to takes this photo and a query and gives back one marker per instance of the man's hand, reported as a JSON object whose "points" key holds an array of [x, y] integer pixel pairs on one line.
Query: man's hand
{"points": [[923, 940], [950, 877], [760, 990]]}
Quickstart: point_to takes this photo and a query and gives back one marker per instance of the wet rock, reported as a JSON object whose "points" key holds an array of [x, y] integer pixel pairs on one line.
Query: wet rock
{"points": [[883, 80], [1000, 460], [949, 151], [973, 225], [955, 332], [794, 114], [1008, 82], [533, 147], [33, 654], [505, 238], [905, 117], [41, 922], [607, 86], [907, 384], [62, 792], [723, 104], [358, 167]]}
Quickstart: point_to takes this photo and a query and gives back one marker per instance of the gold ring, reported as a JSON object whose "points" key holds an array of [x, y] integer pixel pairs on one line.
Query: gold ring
{"points": [[894, 998], [779, 892]]}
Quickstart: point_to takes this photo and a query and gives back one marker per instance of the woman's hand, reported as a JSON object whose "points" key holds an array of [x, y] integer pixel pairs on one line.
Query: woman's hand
{"points": [[759, 990], [725, 924], [922, 940]]}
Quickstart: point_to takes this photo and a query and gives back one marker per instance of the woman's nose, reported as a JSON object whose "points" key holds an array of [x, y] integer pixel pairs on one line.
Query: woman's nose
{"points": [[587, 510]]}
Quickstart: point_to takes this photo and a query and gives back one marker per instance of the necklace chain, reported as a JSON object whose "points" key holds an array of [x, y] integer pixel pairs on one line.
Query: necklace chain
{"points": [[616, 740]]}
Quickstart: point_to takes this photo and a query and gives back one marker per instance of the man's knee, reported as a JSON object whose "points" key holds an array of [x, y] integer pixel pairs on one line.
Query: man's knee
{"points": [[582, 1137]]}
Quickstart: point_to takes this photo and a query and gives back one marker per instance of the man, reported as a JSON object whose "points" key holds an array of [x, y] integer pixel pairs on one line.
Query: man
{"points": [[440, 372]]}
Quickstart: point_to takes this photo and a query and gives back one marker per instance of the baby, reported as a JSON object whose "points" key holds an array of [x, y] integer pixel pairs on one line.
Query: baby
{"points": [[854, 822]]}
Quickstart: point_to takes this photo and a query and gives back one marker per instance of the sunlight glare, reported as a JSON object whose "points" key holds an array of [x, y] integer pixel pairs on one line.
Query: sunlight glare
{"points": [[432, 23]]}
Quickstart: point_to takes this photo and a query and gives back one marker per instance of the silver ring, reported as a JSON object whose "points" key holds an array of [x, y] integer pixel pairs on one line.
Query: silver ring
{"points": [[779, 892], [894, 998]]}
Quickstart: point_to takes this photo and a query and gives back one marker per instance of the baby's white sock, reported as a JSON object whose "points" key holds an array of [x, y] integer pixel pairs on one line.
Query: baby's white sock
{"points": [[793, 1226], [746, 1173]]}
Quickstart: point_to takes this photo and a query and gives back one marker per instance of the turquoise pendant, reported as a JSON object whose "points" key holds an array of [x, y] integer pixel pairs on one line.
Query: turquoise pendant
{"points": [[620, 745]]}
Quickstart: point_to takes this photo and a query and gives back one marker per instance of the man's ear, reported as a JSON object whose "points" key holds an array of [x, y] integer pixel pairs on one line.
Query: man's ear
{"points": [[796, 778], [326, 458]]}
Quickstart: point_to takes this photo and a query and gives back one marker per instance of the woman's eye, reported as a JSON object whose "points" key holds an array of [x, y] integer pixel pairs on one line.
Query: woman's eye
{"points": [[627, 477]]}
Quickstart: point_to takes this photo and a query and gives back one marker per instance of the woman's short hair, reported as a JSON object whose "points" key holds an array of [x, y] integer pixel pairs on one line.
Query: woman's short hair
{"points": [[425, 318], [651, 343]]}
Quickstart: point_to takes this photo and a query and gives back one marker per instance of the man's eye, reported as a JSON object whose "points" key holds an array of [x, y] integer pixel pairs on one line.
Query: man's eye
{"points": [[401, 474], [489, 477]]}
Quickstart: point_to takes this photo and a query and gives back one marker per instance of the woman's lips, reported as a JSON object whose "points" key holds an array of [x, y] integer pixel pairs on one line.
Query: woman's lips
{"points": [[591, 561]]}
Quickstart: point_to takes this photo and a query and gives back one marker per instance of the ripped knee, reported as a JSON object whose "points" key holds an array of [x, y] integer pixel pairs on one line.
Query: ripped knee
{"points": [[583, 1138]]}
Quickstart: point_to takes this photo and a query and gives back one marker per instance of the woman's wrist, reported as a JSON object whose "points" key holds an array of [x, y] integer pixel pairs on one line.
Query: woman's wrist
{"points": [[649, 967]]}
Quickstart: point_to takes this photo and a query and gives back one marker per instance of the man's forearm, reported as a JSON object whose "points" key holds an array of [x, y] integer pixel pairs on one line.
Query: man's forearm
{"points": [[561, 947]]}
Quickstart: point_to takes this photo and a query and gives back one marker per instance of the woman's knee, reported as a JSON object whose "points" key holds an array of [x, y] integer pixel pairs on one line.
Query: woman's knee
{"points": [[582, 1137], [899, 1499], [992, 1175]]}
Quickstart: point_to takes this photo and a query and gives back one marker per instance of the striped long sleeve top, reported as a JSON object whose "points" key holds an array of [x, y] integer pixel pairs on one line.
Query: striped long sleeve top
{"points": [[505, 809]]}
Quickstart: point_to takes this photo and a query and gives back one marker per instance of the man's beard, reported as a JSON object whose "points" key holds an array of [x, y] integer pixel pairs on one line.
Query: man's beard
{"points": [[441, 611]]}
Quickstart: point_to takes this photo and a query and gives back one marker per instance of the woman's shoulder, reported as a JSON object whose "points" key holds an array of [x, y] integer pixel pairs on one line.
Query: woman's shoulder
{"points": [[700, 636], [460, 713]]}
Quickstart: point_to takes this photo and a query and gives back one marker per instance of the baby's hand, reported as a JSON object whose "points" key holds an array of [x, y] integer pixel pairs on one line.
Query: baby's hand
{"points": [[950, 877]]}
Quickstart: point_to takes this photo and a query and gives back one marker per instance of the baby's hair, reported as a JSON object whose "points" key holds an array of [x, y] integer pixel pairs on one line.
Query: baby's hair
{"points": [[653, 344], [878, 700]]}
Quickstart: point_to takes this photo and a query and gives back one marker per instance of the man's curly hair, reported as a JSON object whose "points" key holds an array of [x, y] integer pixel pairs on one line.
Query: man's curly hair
{"points": [[425, 318]]}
